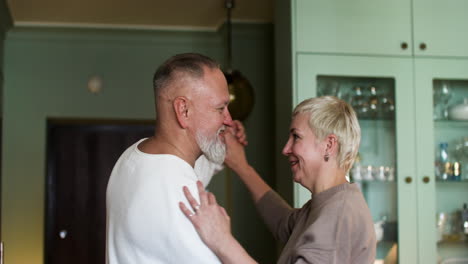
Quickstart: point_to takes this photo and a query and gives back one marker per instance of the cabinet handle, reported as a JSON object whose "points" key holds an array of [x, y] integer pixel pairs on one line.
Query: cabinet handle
{"points": [[408, 179], [404, 45], [426, 179], [422, 46]]}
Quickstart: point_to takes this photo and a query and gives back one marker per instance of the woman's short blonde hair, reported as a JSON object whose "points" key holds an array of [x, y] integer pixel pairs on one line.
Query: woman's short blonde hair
{"points": [[330, 115]]}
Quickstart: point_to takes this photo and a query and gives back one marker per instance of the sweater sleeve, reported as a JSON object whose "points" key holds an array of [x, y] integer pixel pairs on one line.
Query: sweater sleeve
{"points": [[279, 217]]}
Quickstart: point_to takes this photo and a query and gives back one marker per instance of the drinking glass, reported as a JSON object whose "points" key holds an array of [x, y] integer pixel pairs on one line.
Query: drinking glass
{"points": [[461, 154], [442, 94], [373, 101], [328, 87], [359, 102]]}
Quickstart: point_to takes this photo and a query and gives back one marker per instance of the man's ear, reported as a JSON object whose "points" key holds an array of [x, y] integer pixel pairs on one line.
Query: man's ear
{"points": [[181, 109]]}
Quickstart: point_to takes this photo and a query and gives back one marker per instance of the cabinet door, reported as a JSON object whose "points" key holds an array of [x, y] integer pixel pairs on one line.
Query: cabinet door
{"points": [[442, 27], [357, 27], [384, 139], [441, 86]]}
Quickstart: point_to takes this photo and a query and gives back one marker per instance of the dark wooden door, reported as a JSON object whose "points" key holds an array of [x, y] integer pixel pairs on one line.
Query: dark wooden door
{"points": [[79, 162]]}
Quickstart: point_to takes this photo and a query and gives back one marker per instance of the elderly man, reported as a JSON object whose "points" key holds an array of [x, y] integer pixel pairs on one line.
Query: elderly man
{"points": [[144, 223]]}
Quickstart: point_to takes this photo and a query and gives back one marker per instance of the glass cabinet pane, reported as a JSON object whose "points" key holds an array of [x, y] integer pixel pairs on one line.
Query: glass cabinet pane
{"points": [[379, 89], [373, 99], [450, 114]]}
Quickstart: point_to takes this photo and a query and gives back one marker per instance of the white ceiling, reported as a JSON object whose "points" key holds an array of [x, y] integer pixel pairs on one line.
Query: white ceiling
{"points": [[208, 14]]}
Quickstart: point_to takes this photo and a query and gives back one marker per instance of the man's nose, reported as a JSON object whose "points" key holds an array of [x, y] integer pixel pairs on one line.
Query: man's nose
{"points": [[227, 118]]}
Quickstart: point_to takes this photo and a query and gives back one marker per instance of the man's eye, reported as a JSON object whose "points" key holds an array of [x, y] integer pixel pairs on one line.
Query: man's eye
{"points": [[295, 136]]}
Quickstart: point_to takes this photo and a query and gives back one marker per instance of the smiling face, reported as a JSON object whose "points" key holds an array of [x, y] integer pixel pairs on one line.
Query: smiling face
{"points": [[211, 114], [305, 153]]}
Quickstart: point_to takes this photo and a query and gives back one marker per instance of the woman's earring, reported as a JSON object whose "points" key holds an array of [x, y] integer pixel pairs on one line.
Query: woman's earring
{"points": [[326, 157]]}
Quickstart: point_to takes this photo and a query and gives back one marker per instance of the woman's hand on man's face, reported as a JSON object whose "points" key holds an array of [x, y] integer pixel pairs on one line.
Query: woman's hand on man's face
{"points": [[238, 130], [235, 152]]}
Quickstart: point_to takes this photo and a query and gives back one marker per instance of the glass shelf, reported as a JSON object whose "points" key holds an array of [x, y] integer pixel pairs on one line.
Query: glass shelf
{"points": [[375, 182], [447, 250], [376, 119], [452, 244], [465, 181], [451, 124]]}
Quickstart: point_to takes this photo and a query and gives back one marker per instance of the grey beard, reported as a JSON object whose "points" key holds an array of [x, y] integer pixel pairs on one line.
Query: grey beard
{"points": [[214, 150]]}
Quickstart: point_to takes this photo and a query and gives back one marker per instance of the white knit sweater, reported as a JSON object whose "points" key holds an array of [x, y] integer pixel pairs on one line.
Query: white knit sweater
{"points": [[144, 222]]}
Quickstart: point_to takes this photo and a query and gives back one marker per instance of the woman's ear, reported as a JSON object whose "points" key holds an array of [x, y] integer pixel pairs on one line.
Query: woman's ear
{"points": [[181, 109], [332, 144]]}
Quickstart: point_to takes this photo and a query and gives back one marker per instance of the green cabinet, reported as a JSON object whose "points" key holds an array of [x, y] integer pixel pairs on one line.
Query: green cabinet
{"points": [[441, 197], [369, 53], [405, 141], [394, 199], [358, 27], [379, 27], [440, 26]]}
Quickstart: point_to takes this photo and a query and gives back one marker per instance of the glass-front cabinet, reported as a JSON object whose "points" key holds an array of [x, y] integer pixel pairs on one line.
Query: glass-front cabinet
{"points": [[442, 141], [403, 66], [412, 166]]}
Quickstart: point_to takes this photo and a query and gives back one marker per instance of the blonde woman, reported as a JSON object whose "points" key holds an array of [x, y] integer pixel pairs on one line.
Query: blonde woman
{"points": [[334, 226]]}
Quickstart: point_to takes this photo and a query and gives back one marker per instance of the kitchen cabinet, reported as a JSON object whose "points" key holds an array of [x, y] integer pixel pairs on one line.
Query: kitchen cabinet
{"points": [[433, 129], [379, 27], [405, 141], [440, 26], [354, 51], [397, 199]]}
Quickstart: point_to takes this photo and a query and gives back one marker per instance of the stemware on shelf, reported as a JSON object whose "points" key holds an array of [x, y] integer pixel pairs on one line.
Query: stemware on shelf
{"points": [[442, 94]]}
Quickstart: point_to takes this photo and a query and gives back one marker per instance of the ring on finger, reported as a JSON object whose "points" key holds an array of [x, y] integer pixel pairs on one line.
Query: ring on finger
{"points": [[196, 208]]}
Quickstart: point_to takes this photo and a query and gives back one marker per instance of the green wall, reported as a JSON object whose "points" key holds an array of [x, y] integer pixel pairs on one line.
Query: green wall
{"points": [[283, 95], [46, 72], [5, 25], [253, 56]]}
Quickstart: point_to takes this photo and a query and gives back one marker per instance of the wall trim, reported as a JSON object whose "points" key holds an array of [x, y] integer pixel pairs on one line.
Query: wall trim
{"points": [[34, 24], [214, 28]]}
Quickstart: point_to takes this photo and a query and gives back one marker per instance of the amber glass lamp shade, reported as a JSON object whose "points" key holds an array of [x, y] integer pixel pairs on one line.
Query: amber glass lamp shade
{"points": [[241, 95]]}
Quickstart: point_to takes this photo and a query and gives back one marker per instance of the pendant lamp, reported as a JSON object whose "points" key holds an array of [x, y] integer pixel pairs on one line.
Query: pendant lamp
{"points": [[240, 90]]}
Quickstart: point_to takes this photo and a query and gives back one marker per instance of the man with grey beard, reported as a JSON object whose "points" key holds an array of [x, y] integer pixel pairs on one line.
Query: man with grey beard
{"points": [[144, 223]]}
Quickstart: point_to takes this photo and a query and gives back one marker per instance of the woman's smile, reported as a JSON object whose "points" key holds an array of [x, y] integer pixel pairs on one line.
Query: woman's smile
{"points": [[294, 163]]}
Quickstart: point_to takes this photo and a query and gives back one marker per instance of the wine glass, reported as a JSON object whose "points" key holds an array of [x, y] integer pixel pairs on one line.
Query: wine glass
{"points": [[359, 101], [442, 94], [328, 87]]}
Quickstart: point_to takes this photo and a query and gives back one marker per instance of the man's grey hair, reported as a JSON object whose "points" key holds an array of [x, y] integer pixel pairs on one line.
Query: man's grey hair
{"points": [[191, 64]]}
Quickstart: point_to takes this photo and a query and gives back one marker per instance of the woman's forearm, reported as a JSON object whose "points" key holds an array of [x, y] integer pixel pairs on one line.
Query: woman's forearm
{"points": [[233, 253], [237, 161], [256, 185]]}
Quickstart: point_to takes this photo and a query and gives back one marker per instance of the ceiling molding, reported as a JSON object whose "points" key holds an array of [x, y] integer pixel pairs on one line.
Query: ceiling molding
{"points": [[205, 15], [31, 24]]}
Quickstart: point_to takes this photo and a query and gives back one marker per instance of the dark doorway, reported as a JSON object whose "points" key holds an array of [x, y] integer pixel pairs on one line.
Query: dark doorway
{"points": [[80, 158]]}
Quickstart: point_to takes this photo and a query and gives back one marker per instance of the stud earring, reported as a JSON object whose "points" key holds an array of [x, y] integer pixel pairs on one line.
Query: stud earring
{"points": [[326, 157]]}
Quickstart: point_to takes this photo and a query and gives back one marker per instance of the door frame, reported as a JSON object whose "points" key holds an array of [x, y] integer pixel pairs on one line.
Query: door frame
{"points": [[51, 176]]}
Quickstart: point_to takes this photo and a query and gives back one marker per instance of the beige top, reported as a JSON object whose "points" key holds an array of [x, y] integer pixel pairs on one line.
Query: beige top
{"points": [[333, 227]]}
